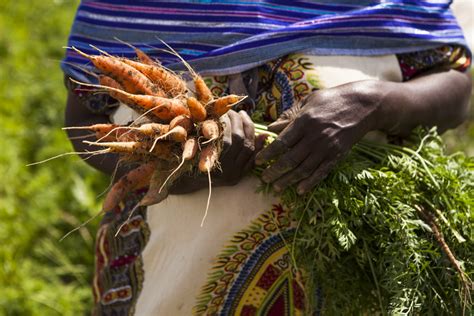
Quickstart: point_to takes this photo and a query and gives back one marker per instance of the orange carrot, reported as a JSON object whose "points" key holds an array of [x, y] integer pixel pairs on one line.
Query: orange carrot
{"points": [[142, 56], [163, 108], [152, 129], [208, 158], [210, 129], [197, 110], [134, 180], [121, 147], [177, 134], [190, 149], [222, 105], [207, 162], [101, 128], [169, 82], [156, 193], [132, 80], [161, 149], [203, 93], [183, 121], [109, 82]]}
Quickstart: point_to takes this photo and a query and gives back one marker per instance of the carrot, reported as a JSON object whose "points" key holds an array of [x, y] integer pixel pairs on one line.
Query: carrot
{"points": [[133, 180], [109, 82], [121, 147], [177, 134], [197, 110], [203, 93], [190, 148], [208, 158], [157, 193], [183, 121], [168, 82], [142, 56], [152, 129], [161, 150], [101, 128], [210, 129], [163, 108], [132, 80], [207, 162], [222, 105]]}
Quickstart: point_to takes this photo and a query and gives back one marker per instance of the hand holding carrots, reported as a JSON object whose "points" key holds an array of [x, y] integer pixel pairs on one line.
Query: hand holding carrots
{"points": [[183, 135], [240, 146]]}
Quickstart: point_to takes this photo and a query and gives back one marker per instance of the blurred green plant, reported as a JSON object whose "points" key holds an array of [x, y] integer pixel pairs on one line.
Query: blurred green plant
{"points": [[39, 204]]}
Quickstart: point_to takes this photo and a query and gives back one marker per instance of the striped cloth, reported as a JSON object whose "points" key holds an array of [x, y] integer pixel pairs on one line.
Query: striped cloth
{"points": [[230, 36]]}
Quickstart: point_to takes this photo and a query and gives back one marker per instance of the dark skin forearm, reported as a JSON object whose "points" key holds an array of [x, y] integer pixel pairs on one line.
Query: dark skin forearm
{"points": [[331, 121], [437, 99]]}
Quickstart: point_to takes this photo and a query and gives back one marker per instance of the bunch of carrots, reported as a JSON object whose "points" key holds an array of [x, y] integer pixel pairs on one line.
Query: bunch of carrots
{"points": [[179, 130]]}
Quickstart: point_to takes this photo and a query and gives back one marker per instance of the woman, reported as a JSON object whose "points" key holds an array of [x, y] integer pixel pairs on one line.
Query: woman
{"points": [[325, 72]]}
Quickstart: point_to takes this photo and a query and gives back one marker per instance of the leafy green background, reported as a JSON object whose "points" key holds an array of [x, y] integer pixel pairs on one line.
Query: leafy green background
{"points": [[40, 275]]}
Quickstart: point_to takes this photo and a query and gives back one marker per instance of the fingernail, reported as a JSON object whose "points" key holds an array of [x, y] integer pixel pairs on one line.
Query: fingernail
{"points": [[265, 178], [277, 188], [300, 191]]}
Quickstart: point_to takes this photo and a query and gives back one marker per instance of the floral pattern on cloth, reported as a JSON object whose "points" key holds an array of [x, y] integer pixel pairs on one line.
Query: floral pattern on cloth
{"points": [[449, 57], [281, 84], [254, 274]]}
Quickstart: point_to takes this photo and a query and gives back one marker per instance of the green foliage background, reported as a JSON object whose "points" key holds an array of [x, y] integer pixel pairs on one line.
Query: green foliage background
{"points": [[38, 274]]}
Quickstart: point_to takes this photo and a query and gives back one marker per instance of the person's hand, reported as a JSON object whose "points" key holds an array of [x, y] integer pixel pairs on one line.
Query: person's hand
{"points": [[314, 138], [237, 158]]}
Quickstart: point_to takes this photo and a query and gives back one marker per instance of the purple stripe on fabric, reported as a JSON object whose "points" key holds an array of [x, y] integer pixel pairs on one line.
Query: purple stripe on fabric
{"points": [[193, 12]]}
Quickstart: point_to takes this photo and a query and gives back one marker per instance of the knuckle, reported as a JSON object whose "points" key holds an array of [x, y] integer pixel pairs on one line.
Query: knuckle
{"points": [[305, 170]]}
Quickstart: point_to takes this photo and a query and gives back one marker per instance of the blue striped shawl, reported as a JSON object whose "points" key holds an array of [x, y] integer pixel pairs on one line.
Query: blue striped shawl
{"points": [[228, 36]]}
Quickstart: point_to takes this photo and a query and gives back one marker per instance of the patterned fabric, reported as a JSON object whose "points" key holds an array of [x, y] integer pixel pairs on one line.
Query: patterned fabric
{"points": [[282, 83], [223, 36], [453, 57], [98, 103], [253, 274], [119, 272]]}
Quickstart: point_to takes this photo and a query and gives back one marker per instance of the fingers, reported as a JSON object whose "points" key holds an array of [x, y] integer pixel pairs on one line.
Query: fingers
{"points": [[317, 176], [248, 147], [237, 133], [303, 171], [285, 118], [287, 162], [249, 128], [287, 139], [227, 132]]}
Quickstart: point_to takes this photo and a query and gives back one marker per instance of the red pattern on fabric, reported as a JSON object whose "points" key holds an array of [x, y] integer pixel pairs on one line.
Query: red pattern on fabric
{"points": [[269, 277], [249, 310], [279, 307]]}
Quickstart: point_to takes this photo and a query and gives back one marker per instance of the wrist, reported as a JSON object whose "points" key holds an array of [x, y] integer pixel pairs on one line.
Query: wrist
{"points": [[385, 114], [371, 94]]}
